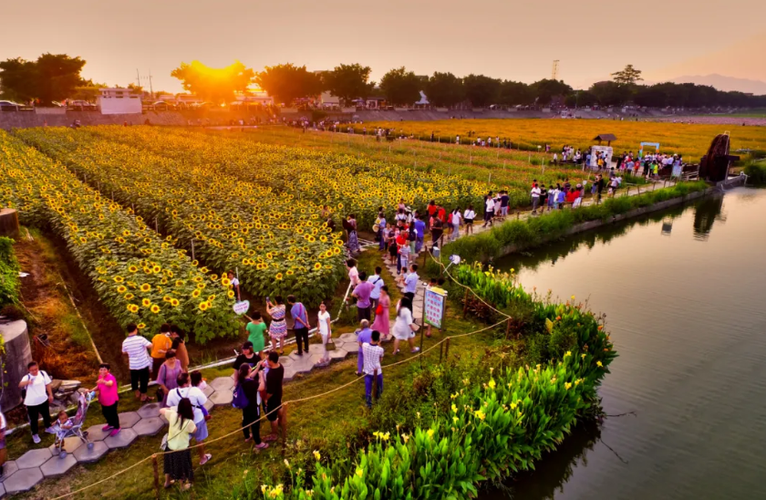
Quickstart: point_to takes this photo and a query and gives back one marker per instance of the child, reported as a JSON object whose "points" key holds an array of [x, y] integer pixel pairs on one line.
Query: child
{"points": [[199, 382], [62, 425]]}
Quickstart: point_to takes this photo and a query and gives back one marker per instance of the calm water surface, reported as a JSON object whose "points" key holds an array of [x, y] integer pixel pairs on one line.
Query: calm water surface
{"points": [[685, 297]]}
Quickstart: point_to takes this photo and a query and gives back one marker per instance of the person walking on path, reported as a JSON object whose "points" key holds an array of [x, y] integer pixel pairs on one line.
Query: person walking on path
{"points": [[410, 282], [382, 321], [39, 395], [256, 333], [468, 216], [274, 379], [180, 347], [135, 347], [405, 327], [108, 397], [376, 280], [278, 326], [168, 375], [489, 209], [324, 325], [198, 400], [420, 231], [599, 185], [535, 198], [248, 380], [362, 336], [301, 324], [178, 465], [363, 292], [161, 343], [455, 220], [353, 272], [373, 353]]}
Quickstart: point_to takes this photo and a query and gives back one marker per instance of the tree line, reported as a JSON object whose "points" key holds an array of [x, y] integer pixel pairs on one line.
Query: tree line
{"points": [[57, 77]]}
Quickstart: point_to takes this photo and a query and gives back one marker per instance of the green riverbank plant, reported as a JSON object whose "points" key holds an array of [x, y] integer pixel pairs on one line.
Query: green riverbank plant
{"points": [[756, 174], [9, 273]]}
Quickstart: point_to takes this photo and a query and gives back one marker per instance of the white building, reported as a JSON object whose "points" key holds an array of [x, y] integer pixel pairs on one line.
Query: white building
{"points": [[119, 102]]}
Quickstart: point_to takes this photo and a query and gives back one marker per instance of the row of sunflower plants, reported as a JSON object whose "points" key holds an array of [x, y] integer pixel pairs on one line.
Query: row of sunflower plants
{"points": [[139, 276], [346, 183], [278, 245]]}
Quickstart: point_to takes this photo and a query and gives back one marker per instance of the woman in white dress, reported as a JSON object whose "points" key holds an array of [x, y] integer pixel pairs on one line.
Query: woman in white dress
{"points": [[405, 327]]}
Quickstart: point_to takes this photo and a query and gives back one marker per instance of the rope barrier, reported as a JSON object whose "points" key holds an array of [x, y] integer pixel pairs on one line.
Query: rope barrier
{"points": [[292, 401]]}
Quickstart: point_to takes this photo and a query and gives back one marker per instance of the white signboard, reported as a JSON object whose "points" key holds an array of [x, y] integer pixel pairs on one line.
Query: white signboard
{"points": [[436, 300], [241, 307]]}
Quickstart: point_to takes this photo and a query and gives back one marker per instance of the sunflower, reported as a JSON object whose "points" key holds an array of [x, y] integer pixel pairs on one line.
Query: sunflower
{"points": [[203, 270], [141, 326], [166, 298], [133, 308], [156, 269], [225, 281], [290, 272], [155, 309], [195, 293], [174, 302], [146, 287], [195, 263], [126, 233], [200, 286], [129, 296], [132, 269], [230, 294], [119, 279], [203, 306], [179, 283], [122, 289], [317, 266], [146, 302], [278, 277]]}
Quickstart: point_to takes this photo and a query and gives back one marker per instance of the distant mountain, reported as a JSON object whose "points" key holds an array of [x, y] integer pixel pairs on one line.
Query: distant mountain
{"points": [[726, 83]]}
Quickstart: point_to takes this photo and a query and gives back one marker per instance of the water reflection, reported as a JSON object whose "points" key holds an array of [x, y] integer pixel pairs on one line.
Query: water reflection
{"points": [[706, 213], [553, 471]]}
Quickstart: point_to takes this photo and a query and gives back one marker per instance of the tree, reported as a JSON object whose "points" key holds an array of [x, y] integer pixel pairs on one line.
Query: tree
{"points": [[513, 93], [628, 76], [611, 93], [349, 82], [287, 82], [216, 85], [401, 87], [481, 90], [545, 90], [52, 77], [444, 90], [580, 98]]}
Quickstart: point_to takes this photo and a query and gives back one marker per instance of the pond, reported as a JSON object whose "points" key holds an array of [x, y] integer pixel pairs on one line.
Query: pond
{"points": [[685, 296]]}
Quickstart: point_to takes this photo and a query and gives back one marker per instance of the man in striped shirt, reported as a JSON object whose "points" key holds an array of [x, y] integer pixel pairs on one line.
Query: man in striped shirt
{"points": [[373, 353], [135, 346]]}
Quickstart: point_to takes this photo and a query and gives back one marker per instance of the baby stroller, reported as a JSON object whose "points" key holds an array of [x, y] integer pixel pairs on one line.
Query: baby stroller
{"points": [[83, 401]]}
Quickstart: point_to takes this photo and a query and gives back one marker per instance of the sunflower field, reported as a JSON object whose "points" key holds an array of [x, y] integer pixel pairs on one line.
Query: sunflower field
{"points": [[139, 276], [244, 206]]}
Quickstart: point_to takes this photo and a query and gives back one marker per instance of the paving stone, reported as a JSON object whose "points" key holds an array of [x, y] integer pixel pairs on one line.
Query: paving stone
{"points": [[289, 374], [149, 411], [86, 455], [23, 480], [222, 398], [121, 440], [222, 383], [129, 419], [208, 390], [304, 365], [95, 433], [58, 466], [70, 445], [338, 353], [149, 426], [34, 458], [208, 406], [348, 337], [8, 470], [316, 359]]}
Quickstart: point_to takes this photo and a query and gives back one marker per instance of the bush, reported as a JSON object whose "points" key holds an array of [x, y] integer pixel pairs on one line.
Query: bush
{"points": [[9, 273], [756, 174]]}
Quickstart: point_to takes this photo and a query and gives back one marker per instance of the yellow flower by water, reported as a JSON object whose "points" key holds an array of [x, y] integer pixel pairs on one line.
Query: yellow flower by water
{"points": [[599, 364], [317, 455], [567, 385], [491, 383]]}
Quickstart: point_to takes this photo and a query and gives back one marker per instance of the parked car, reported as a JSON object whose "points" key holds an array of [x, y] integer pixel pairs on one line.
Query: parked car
{"points": [[81, 105], [9, 106]]}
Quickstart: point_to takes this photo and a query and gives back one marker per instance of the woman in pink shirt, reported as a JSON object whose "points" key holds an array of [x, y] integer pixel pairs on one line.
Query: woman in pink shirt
{"points": [[106, 385]]}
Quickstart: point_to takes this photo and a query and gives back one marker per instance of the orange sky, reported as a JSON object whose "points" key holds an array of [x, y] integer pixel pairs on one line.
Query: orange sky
{"points": [[500, 38]]}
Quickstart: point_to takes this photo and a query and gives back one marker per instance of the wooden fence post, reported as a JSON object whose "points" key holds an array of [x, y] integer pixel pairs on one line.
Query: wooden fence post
{"points": [[156, 476], [441, 352], [465, 303], [508, 329], [446, 349], [284, 428]]}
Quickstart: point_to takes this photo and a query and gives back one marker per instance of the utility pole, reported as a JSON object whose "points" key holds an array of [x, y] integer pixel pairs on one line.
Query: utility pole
{"points": [[138, 78], [555, 72], [151, 90]]}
